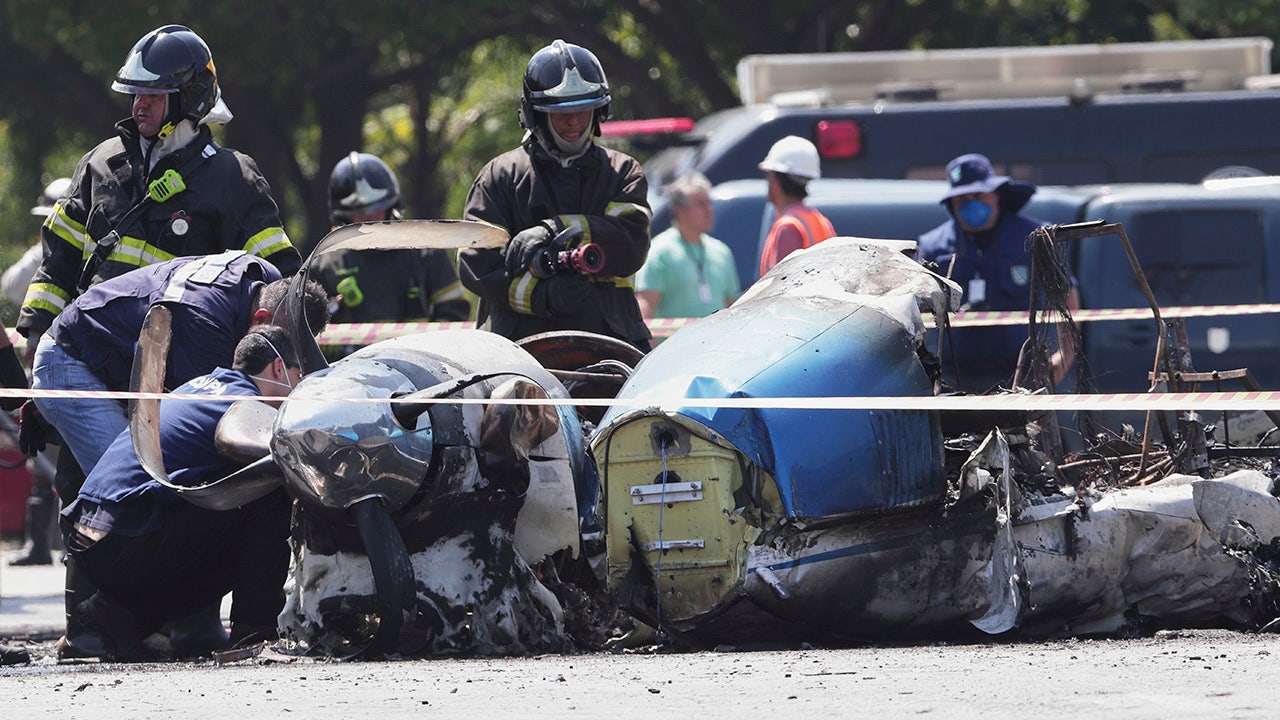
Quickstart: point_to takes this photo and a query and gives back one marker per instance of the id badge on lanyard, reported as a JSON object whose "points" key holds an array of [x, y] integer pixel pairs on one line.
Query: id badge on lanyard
{"points": [[977, 291]]}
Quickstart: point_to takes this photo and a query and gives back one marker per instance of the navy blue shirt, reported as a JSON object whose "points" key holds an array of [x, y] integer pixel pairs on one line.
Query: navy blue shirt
{"points": [[1000, 258], [212, 301], [120, 497]]}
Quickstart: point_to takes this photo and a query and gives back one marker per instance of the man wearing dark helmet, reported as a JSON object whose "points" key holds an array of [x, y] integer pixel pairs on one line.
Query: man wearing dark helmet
{"points": [[383, 285], [161, 188], [559, 179]]}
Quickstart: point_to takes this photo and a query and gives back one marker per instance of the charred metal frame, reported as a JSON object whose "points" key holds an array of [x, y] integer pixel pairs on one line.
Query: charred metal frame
{"points": [[1172, 365], [1163, 356]]}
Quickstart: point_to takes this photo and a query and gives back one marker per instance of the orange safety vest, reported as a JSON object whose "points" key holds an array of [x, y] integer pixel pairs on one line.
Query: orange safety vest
{"points": [[814, 227]]}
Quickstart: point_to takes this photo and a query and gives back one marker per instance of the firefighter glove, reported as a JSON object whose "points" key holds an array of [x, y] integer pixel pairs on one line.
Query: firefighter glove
{"points": [[526, 244]]}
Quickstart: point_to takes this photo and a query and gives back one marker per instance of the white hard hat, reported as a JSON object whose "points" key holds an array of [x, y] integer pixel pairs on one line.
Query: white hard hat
{"points": [[53, 192], [793, 155]]}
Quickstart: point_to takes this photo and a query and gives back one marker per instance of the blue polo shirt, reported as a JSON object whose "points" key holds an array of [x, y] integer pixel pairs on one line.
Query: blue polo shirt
{"points": [[119, 496]]}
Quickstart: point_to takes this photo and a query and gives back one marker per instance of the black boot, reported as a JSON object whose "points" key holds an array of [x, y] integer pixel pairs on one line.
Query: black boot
{"points": [[13, 655], [198, 634], [82, 640], [40, 516], [115, 627]]}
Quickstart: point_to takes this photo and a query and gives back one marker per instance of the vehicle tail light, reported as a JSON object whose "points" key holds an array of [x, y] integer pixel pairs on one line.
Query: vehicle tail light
{"points": [[839, 139], [652, 126]]}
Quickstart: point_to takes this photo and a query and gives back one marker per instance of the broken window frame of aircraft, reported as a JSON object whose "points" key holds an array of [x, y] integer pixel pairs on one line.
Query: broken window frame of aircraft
{"points": [[1172, 368], [1069, 115], [816, 521]]}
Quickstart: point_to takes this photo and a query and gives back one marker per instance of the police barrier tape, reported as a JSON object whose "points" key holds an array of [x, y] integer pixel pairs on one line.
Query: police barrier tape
{"points": [[1237, 401], [369, 333]]}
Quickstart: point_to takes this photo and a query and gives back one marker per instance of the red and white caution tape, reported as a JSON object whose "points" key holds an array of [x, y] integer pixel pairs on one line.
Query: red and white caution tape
{"points": [[1234, 401], [986, 318], [369, 333]]}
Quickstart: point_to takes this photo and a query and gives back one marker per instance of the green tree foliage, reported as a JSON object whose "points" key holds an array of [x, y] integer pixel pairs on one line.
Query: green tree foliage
{"points": [[432, 86]]}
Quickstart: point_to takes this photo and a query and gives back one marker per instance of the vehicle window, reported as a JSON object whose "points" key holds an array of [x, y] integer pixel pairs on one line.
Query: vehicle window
{"points": [[667, 165], [1209, 257]]}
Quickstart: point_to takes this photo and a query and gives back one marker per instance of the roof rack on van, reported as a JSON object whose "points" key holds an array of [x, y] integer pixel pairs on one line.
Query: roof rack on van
{"points": [[1062, 70]]}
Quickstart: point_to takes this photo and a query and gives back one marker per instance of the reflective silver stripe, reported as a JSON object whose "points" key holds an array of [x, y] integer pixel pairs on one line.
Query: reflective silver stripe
{"points": [[203, 271], [448, 294], [578, 221], [66, 228], [268, 241], [521, 293], [618, 209], [45, 296], [133, 251]]}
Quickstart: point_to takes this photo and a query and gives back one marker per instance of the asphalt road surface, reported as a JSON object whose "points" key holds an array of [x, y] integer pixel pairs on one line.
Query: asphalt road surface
{"points": [[1186, 674], [1183, 674]]}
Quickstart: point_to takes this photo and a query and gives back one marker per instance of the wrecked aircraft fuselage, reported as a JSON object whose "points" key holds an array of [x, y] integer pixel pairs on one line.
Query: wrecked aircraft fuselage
{"points": [[745, 524], [468, 496]]}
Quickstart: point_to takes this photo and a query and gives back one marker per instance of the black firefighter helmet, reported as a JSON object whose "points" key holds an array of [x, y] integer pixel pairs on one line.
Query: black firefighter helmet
{"points": [[362, 183], [173, 60], [563, 77]]}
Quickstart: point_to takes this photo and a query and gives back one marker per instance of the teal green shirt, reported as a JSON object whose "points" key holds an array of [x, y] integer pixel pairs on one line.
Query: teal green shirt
{"points": [[695, 279]]}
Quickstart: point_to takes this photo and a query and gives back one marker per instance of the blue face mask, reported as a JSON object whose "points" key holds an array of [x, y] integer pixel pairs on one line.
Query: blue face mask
{"points": [[974, 212]]}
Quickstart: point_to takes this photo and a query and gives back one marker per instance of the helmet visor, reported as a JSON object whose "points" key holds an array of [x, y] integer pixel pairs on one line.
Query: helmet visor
{"points": [[135, 78], [573, 94], [132, 89]]}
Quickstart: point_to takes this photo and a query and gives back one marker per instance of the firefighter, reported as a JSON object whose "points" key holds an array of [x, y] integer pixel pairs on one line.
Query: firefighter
{"points": [[559, 178], [42, 505], [383, 285], [159, 189]]}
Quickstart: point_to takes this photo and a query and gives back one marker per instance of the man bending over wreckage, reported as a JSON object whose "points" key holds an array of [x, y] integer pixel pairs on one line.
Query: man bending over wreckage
{"points": [[153, 555]]}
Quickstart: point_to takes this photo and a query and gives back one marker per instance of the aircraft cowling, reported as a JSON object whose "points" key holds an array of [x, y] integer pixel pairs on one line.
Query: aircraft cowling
{"points": [[334, 453], [694, 489], [388, 497]]}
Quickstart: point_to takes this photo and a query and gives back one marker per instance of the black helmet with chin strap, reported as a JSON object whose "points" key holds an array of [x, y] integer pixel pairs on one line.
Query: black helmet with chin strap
{"points": [[171, 60], [564, 78], [363, 183]]}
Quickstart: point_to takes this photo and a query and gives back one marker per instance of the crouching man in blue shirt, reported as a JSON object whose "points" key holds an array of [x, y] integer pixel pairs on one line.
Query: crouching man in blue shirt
{"points": [[153, 555]]}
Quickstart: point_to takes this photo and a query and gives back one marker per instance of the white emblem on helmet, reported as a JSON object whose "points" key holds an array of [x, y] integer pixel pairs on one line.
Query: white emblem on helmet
{"points": [[365, 194]]}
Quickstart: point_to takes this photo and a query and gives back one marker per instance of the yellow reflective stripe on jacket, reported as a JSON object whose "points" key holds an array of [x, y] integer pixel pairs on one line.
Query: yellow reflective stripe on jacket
{"points": [[578, 221], [520, 293], [135, 251], [46, 296], [449, 293], [618, 209], [268, 242], [621, 282], [64, 227]]}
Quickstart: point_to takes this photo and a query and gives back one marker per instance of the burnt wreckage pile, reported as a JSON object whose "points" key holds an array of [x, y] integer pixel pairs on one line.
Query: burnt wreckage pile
{"points": [[822, 522], [459, 494]]}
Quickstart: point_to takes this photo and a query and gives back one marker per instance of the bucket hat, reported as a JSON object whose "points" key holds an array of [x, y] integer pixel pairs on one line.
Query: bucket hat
{"points": [[972, 173]]}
